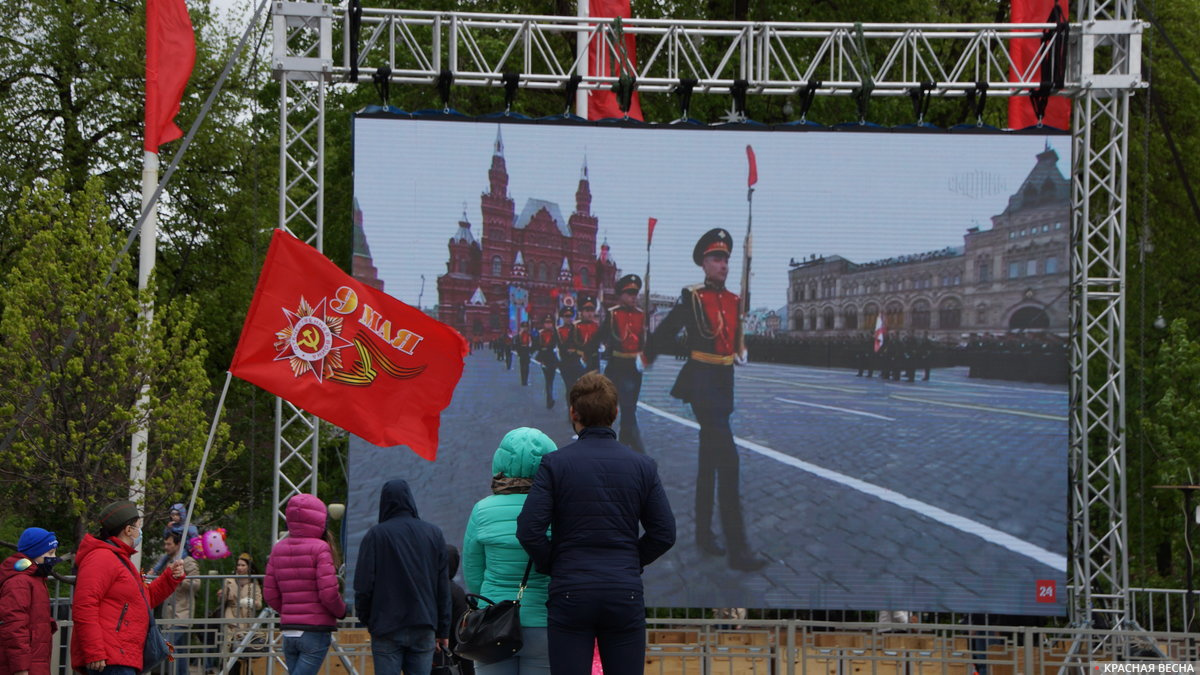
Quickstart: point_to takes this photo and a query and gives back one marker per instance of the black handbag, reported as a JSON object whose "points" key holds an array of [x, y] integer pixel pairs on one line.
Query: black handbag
{"points": [[491, 632], [155, 649]]}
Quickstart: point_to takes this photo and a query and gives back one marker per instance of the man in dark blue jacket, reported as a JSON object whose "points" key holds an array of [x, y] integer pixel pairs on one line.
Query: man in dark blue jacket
{"points": [[593, 494], [402, 585]]}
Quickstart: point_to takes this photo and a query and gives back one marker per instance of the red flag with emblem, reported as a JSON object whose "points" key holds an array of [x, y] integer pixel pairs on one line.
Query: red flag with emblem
{"points": [[346, 352]]}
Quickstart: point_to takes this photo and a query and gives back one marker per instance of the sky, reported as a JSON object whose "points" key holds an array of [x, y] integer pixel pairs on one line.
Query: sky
{"points": [[863, 196]]}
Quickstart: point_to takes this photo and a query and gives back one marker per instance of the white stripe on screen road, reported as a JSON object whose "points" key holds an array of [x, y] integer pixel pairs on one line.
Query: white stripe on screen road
{"points": [[988, 534], [836, 409], [802, 384], [968, 406], [1008, 388]]}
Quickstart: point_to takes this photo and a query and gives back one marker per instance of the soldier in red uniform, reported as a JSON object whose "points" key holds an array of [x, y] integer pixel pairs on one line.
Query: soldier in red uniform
{"points": [[523, 343], [710, 314], [622, 333], [584, 341], [547, 355]]}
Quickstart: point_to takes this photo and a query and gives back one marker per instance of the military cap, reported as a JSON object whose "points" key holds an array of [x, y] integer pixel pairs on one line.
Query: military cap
{"points": [[629, 282], [524, 324], [587, 302], [716, 240], [548, 317], [567, 311]]}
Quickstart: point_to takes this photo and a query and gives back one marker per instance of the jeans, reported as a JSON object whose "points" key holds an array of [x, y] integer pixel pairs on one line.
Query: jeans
{"points": [[116, 670], [614, 618], [409, 650], [180, 641], [304, 655], [533, 659]]}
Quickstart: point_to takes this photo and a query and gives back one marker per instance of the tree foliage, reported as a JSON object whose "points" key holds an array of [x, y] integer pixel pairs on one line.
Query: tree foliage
{"points": [[74, 444]]}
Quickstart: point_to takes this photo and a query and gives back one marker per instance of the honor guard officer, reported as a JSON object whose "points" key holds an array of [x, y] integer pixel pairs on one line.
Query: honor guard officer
{"points": [[547, 345], [523, 343], [622, 332], [710, 314], [585, 341], [569, 365]]}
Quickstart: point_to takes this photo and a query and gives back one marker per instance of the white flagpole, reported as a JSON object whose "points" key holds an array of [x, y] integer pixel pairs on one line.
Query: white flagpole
{"points": [[146, 257], [581, 54]]}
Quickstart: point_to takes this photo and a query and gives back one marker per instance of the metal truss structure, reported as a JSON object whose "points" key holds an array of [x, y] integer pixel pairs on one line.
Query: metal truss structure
{"points": [[829, 59]]}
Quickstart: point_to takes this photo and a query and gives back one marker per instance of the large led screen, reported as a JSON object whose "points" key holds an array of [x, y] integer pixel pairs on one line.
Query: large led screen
{"points": [[899, 432]]}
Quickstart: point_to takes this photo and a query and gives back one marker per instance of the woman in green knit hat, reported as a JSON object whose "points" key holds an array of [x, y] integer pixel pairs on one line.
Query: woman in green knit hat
{"points": [[493, 560]]}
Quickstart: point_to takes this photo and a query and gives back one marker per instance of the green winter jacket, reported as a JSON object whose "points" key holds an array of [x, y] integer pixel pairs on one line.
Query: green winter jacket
{"points": [[493, 560]]}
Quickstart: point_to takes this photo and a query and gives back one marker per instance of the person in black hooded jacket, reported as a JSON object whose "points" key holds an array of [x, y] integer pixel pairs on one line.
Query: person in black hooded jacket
{"points": [[458, 607], [402, 585]]}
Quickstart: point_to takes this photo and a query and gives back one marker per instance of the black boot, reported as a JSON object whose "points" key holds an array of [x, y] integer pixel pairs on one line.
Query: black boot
{"points": [[706, 541], [745, 560]]}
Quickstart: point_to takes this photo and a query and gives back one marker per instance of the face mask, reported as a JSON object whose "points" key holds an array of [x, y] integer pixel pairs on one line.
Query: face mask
{"points": [[138, 542], [46, 565]]}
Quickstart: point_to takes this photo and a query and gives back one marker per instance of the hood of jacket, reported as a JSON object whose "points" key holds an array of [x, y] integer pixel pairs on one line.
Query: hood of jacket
{"points": [[306, 516], [8, 567], [396, 500], [520, 453], [91, 543]]}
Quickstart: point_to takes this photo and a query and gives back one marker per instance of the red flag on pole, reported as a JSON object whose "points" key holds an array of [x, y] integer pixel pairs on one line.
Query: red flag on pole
{"points": [[1020, 108], [347, 353], [650, 231], [880, 332], [602, 103], [753, 177], [170, 55]]}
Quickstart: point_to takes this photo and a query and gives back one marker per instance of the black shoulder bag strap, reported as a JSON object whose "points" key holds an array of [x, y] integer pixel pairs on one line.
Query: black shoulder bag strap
{"points": [[137, 579], [524, 580]]}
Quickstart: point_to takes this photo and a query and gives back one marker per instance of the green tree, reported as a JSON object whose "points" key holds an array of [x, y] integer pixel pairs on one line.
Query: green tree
{"points": [[69, 455]]}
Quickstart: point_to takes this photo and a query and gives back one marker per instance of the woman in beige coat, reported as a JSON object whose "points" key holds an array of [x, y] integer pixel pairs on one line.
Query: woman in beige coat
{"points": [[241, 598]]}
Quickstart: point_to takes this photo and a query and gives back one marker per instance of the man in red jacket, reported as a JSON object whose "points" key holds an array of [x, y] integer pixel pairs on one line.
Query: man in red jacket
{"points": [[111, 608], [26, 625]]}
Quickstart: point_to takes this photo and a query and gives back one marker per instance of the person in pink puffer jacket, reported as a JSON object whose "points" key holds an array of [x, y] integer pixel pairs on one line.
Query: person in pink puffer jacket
{"points": [[301, 584]]}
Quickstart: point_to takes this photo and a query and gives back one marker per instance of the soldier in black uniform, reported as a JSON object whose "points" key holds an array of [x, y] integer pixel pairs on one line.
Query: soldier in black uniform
{"points": [[585, 340], [569, 365], [622, 333], [523, 344], [546, 346], [710, 313]]}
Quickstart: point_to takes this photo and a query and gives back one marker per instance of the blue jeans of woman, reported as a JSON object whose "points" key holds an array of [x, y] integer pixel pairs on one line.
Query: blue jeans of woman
{"points": [[409, 650], [533, 659], [305, 654]]}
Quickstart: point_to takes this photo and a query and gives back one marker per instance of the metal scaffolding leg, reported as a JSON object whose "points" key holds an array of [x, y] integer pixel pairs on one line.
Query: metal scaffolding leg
{"points": [[302, 59]]}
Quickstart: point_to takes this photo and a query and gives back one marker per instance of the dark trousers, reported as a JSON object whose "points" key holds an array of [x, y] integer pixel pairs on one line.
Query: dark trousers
{"points": [[628, 381], [507, 359], [548, 373], [615, 619], [718, 471], [570, 368], [524, 362]]}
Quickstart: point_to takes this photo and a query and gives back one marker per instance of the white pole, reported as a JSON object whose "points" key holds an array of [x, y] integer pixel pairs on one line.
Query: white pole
{"points": [[149, 239], [581, 53]]}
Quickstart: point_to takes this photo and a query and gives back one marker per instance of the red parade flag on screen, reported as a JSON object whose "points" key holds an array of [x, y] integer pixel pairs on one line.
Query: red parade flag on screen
{"points": [[650, 230], [170, 55], [347, 353], [602, 103], [1020, 108], [753, 177]]}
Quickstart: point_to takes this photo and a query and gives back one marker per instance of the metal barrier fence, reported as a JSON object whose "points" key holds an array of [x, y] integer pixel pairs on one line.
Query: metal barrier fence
{"points": [[694, 645]]}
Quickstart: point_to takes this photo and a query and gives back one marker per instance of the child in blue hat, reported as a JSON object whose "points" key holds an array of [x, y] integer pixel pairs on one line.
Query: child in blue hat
{"points": [[26, 624]]}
